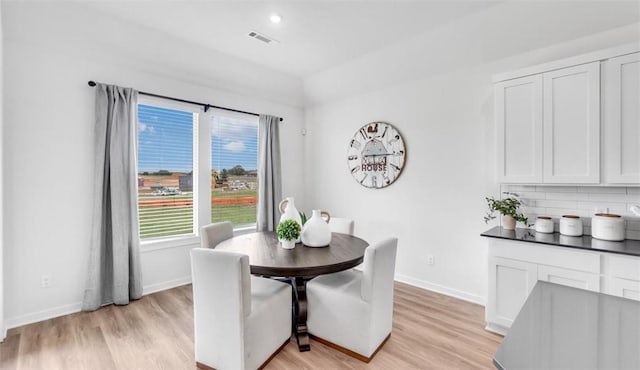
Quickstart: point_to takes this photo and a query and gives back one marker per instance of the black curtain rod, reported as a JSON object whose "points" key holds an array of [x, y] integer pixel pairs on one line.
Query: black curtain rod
{"points": [[205, 105]]}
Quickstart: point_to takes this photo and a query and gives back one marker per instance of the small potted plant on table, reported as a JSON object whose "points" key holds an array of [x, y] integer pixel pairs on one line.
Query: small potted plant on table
{"points": [[508, 208], [288, 231]]}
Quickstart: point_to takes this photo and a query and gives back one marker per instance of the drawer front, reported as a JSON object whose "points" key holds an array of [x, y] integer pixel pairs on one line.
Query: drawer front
{"points": [[572, 278], [624, 267], [569, 258], [623, 288]]}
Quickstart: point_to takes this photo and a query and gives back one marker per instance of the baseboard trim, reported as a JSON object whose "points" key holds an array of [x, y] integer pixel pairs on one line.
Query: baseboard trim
{"points": [[43, 315], [77, 307], [494, 328], [455, 293], [154, 288]]}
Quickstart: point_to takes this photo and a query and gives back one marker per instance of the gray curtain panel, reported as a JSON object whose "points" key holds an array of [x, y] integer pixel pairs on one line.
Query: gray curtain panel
{"points": [[114, 258], [269, 173]]}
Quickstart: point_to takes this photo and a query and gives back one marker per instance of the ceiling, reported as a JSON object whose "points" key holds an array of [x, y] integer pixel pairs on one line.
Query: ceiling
{"points": [[313, 35]]}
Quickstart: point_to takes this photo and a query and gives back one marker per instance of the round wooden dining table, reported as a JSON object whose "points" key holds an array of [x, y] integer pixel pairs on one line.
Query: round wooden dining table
{"points": [[298, 265]]}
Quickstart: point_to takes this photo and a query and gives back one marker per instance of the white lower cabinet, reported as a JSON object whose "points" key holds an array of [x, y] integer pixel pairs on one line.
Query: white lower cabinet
{"points": [[516, 266], [512, 279]]}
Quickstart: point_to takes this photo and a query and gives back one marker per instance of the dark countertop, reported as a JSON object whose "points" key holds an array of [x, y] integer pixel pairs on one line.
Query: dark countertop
{"points": [[627, 247], [560, 327]]}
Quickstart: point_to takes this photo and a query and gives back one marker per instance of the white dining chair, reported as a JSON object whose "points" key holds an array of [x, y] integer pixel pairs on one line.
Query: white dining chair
{"points": [[352, 310], [240, 321], [341, 225], [212, 234]]}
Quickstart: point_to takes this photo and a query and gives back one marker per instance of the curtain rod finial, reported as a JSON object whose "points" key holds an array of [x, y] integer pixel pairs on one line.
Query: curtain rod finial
{"points": [[92, 83]]}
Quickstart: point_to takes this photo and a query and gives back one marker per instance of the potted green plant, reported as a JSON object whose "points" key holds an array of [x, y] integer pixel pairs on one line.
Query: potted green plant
{"points": [[508, 208], [288, 231]]}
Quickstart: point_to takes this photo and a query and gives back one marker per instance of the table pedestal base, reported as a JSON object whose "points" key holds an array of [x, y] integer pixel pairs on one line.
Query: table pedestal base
{"points": [[300, 313]]}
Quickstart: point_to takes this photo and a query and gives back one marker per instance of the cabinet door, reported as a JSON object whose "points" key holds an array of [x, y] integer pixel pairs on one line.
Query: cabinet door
{"points": [[518, 109], [510, 283], [622, 120], [572, 278], [572, 125]]}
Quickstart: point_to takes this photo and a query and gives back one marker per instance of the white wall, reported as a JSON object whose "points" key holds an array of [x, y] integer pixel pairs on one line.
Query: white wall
{"points": [[436, 206], [48, 146]]}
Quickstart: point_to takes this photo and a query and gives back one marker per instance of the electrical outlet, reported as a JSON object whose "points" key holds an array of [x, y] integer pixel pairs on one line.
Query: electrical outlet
{"points": [[430, 259], [45, 281]]}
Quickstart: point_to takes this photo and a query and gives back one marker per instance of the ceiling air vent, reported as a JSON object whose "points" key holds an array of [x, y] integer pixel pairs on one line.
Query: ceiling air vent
{"points": [[262, 37]]}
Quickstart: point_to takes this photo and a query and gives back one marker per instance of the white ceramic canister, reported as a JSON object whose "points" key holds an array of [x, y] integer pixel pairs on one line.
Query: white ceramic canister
{"points": [[316, 231], [544, 224], [607, 226], [571, 225], [289, 212]]}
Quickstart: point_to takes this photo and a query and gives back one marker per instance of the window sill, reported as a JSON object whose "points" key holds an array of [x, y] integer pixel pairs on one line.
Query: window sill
{"points": [[167, 243], [244, 230], [184, 241]]}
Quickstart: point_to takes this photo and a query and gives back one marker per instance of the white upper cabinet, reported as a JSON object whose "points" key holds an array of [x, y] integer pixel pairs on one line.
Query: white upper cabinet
{"points": [[549, 126], [621, 141], [518, 107], [572, 125]]}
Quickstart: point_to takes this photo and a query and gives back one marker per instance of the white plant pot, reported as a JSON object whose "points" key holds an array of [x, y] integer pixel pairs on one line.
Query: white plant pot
{"points": [[508, 222], [288, 244]]}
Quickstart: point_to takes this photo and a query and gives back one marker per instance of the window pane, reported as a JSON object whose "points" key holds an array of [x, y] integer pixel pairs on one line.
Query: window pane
{"points": [[165, 168], [234, 175]]}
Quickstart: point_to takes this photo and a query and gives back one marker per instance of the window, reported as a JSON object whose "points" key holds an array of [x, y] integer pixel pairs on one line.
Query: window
{"points": [[165, 171], [234, 175], [194, 168]]}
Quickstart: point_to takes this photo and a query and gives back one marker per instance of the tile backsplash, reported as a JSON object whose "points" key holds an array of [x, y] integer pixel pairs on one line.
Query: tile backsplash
{"points": [[582, 201]]}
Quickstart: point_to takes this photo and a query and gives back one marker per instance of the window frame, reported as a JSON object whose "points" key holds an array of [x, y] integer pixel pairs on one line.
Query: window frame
{"points": [[181, 239], [213, 112], [202, 132]]}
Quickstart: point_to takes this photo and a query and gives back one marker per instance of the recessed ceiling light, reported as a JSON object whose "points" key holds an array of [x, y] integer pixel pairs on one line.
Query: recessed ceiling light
{"points": [[275, 18]]}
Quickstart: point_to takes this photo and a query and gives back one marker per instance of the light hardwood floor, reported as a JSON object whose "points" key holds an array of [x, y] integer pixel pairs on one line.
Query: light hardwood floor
{"points": [[430, 331]]}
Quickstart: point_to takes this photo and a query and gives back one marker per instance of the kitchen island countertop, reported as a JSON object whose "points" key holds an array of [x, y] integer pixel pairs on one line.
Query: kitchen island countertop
{"points": [[560, 327]]}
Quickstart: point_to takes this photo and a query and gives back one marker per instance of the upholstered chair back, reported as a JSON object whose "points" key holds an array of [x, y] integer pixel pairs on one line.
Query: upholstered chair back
{"points": [[212, 234], [221, 300], [341, 225], [377, 282]]}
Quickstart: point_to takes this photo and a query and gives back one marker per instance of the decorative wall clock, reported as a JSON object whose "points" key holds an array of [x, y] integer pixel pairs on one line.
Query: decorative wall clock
{"points": [[376, 155]]}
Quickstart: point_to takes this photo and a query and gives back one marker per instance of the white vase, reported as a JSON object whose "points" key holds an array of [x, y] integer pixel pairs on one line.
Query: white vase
{"points": [[289, 212], [508, 222], [288, 244], [316, 231]]}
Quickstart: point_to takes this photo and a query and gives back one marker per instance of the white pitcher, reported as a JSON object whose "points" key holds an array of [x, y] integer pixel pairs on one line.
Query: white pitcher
{"points": [[316, 231], [289, 212]]}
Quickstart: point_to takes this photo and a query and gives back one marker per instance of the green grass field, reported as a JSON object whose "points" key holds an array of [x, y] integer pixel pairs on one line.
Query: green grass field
{"points": [[166, 221]]}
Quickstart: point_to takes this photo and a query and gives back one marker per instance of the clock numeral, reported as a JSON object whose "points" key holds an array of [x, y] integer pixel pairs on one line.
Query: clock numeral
{"points": [[355, 144], [374, 182], [363, 132], [386, 179], [363, 178], [355, 169], [394, 166], [352, 157], [385, 131]]}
